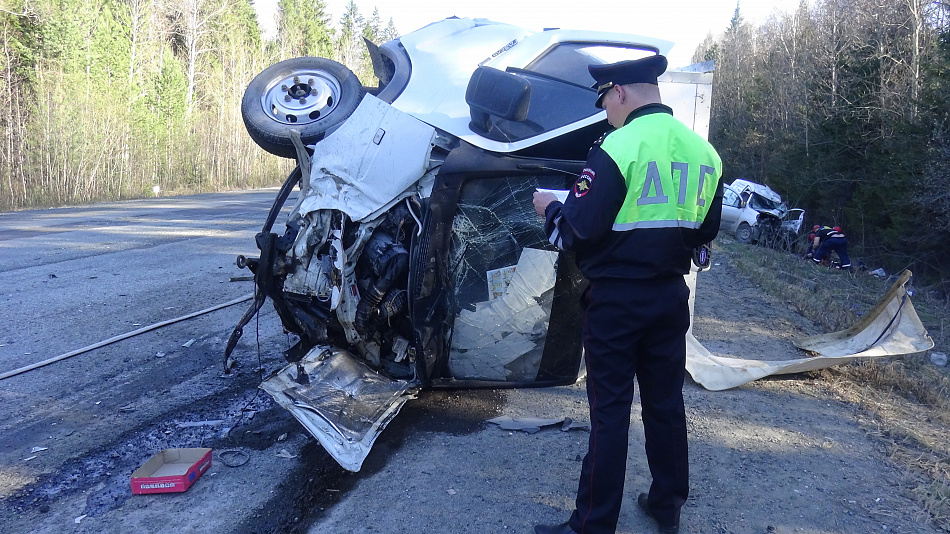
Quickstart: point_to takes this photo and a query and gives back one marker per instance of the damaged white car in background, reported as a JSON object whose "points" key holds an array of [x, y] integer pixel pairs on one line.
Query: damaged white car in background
{"points": [[754, 213]]}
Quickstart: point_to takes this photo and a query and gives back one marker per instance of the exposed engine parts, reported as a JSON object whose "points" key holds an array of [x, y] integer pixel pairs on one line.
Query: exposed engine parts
{"points": [[338, 282]]}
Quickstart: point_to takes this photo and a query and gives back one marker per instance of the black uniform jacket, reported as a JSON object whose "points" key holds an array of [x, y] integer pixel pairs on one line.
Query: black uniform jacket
{"points": [[584, 225]]}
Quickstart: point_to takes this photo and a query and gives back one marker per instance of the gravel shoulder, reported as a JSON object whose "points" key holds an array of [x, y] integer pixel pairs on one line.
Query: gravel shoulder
{"points": [[782, 455]]}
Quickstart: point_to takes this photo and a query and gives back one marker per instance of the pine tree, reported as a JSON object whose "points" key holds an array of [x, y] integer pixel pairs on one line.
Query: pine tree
{"points": [[390, 32], [303, 29], [350, 49]]}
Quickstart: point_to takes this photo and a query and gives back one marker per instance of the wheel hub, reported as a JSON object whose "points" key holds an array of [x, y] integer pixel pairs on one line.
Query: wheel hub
{"points": [[301, 98]]}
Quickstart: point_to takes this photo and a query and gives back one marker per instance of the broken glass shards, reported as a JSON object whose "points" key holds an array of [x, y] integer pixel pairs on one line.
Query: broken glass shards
{"points": [[487, 342]]}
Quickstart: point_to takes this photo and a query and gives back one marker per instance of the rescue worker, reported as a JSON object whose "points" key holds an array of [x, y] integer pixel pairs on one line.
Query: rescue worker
{"points": [[649, 195], [810, 251], [828, 239]]}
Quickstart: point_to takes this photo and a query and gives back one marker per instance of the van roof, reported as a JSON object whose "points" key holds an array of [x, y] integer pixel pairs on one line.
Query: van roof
{"points": [[764, 190]]}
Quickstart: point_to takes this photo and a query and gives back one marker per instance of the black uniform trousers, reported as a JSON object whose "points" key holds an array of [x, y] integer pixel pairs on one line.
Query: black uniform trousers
{"points": [[634, 328]]}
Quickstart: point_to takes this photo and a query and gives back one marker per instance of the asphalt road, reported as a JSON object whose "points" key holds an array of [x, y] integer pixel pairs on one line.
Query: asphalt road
{"points": [[778, 456], [74, 431], [72, 277]]}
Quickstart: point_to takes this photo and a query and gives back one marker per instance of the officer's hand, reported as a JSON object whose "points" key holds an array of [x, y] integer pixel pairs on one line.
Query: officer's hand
{"points": [[541, 201]]}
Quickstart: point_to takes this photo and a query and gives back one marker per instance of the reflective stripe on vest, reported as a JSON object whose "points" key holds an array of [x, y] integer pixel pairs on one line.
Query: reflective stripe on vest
{"points": [[663, 193]]}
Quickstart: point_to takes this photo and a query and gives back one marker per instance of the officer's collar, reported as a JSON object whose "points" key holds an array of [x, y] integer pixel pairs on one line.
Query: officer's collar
{"points": [[648, 109]]}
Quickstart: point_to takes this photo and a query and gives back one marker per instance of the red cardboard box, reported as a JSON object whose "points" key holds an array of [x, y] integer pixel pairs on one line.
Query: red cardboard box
{"points": [[172, 470]]}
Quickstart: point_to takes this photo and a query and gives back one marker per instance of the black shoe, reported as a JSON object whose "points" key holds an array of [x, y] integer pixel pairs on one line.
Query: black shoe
{"points": [[643, 501], [563, 528]]}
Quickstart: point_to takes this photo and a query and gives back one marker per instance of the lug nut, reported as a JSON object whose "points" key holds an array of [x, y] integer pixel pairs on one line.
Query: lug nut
{"points": [[296, 80], [311, 82], [284, 87], [287, 98], [302, 100]]}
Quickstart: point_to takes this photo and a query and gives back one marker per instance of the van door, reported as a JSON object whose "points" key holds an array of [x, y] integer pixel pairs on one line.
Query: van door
{"points": [[730, 210]]}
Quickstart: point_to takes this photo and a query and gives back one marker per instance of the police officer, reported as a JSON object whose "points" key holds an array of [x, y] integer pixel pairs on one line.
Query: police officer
{"points": [[649, 195], [829, 239]]}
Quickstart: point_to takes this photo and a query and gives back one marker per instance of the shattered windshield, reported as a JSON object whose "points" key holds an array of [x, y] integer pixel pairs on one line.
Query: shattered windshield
{"points": [[504, 274], [760, 202]]}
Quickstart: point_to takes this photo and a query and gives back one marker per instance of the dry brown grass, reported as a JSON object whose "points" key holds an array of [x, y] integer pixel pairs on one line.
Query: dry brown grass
{"points": [[906, 399]]}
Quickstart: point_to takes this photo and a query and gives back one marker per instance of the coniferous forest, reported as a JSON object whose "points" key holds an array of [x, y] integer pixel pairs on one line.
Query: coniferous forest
{"points": [[842, 106], [107, 99]]}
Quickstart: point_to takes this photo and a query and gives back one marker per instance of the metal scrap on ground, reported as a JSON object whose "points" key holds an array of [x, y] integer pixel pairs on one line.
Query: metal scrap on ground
{"points": [[534, 424], [892, 328]]}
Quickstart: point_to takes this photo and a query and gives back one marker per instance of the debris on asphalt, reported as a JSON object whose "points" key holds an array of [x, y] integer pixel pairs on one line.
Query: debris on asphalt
{"points": [[534, 424], [79, 519], [284, 454], [188, 343], [211, 422], [35, 450], [171, 470], [938, 358], [234, 457]]}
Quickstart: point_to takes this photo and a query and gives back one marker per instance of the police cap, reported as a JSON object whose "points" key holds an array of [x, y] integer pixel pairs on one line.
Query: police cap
{"points": [[644, 70]]}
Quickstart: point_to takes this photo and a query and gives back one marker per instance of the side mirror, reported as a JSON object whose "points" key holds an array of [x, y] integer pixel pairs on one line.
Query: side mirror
{"points": [[492, 92]]}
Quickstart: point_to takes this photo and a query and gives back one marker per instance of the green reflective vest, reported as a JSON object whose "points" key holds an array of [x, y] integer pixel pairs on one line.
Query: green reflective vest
{"points": [[671, 173]]}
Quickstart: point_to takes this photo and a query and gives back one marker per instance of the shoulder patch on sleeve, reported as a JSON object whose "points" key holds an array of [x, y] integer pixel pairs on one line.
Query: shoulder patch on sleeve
{"points": [[584, 182]]}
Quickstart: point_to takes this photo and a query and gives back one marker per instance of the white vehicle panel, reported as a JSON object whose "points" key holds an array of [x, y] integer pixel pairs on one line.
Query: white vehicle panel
{"points": [[370, 162], [435, 93]]}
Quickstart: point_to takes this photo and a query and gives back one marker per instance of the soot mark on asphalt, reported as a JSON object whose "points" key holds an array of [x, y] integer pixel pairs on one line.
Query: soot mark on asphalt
{"points": [[304, 496], [107, 472], [456, 412], [318, 483]]}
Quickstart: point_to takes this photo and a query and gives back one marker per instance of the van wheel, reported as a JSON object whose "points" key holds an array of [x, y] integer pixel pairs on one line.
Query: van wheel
{"points": [[313, 95], [744, 233]]}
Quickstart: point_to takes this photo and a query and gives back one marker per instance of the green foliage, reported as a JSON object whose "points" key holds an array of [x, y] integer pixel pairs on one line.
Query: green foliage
{"points": [[349, 46], [372, 30], [20, 37], [827, 106], [167, 98], [304, 29], [390, 32], [102, 108]]}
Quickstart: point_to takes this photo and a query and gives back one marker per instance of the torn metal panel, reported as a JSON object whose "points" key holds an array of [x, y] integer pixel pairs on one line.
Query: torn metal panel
{"points": [[378, 156], [342, 402], [892, 328]]}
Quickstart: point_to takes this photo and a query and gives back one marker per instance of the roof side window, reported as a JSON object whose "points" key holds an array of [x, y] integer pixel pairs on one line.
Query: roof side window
{"points": [[569, 61], [730, 197]]}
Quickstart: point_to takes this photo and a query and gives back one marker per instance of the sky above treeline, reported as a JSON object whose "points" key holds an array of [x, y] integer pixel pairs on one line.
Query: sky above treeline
{"points": [[684, 22]]}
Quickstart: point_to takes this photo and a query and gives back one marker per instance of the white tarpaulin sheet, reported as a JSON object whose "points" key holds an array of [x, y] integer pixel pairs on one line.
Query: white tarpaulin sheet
{"points": [[892, 328]]}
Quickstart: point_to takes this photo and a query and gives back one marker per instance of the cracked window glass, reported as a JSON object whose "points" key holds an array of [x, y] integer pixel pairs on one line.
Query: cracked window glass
{"points": [[504, 273]]}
